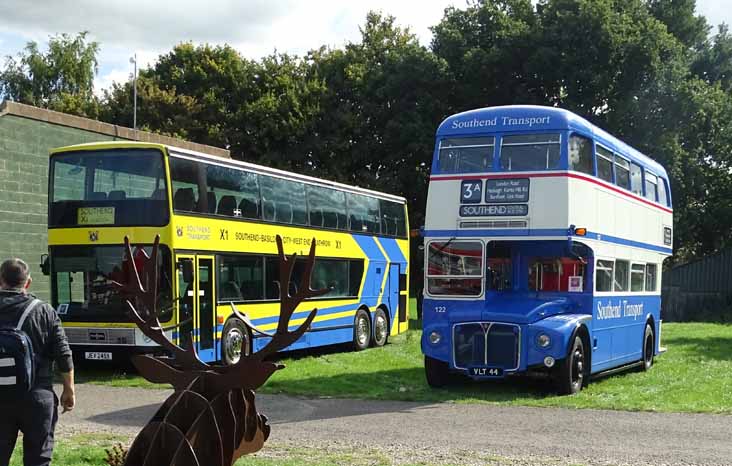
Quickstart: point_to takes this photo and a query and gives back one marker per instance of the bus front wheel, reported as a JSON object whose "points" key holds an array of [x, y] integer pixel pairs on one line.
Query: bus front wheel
{"points": [[572, 371], [648, 348], [361, 330], [235, 340], [437, 372]]}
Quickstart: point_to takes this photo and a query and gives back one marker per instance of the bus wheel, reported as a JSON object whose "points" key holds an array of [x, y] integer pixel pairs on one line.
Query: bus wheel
{"points": [[571, 372], [648, 348], [381, 328], [234, 340], [437, 372], [361, 330]]}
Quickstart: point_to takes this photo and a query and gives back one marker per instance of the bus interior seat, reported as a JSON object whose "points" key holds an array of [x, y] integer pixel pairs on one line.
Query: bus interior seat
{"points": [[98, 196], [117, 195], [249, 208], [330, 219], [231, 291], [283, 212], [158, 194], [251, 289], [184, 199], [268, 210], [316, 217], [356, 224], [227, 204], [211, 199]]}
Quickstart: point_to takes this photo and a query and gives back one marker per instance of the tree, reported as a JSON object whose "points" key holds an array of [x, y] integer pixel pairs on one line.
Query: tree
{"points": [[385, 97], [60, 79], [488, 47]]}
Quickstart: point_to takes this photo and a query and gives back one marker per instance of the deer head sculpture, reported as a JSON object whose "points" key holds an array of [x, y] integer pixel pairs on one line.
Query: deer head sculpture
{"points": [[211, 417]]}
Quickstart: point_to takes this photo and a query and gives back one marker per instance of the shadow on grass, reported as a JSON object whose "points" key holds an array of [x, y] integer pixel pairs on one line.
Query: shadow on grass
{"points": [[719, 348]]}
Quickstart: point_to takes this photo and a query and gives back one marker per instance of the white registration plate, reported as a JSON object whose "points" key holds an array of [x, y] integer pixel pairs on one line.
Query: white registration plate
{"points": [[98, 356]]}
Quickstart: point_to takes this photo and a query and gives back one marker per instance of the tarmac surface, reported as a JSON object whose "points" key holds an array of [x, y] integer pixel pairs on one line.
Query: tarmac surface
{"points": [[439, 432]]}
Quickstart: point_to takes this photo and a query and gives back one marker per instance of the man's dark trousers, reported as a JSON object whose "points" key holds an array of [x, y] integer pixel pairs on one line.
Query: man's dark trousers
{"points": [[35, 415]]}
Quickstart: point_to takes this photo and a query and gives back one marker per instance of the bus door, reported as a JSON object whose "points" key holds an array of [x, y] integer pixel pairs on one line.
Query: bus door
{"points": [[392, 291], [196, 304]]}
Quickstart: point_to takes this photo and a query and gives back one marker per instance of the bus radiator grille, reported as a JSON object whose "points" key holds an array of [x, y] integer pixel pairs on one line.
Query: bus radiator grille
{"points": [[481, 344]]}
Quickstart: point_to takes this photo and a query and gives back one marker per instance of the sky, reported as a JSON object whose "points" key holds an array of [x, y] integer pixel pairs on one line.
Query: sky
{"points": [[255, 28]]}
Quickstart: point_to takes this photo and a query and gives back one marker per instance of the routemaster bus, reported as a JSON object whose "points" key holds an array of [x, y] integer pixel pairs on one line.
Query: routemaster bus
{"points": [[544, 239], [218, 219]]}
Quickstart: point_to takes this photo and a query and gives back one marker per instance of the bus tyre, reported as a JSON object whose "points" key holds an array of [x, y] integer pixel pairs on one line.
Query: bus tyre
{"points": [[571, 372], [437, 372], [361, 330], [381, 328], [648, 348], [235, 339]]}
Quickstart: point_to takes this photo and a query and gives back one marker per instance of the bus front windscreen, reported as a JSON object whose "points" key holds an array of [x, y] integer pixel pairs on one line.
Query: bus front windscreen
{"points": [[116, 187], [82, 282]]}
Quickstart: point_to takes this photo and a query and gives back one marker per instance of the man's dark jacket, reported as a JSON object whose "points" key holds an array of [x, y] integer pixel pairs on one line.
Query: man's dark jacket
{"points": [[44, 329]]}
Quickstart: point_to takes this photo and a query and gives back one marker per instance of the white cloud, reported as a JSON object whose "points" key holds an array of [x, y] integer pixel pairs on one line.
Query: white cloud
{"points": [[716, 12], [254, 27]]}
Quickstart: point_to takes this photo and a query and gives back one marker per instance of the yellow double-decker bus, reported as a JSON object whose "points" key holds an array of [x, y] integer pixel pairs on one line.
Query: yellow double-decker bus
{"points": [[217, 219]]}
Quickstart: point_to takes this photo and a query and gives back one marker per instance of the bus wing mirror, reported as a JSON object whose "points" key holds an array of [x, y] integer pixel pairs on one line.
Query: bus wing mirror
{"points": [[45, 265]]}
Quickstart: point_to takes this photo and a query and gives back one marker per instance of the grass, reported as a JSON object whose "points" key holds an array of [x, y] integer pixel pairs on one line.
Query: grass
{"points": [[89, 449], [695, 375], [78, 450]]}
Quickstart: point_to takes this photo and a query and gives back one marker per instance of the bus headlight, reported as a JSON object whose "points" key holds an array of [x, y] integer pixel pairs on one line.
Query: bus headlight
{"points": [[549, 362], [435, 338], [543, 340]]}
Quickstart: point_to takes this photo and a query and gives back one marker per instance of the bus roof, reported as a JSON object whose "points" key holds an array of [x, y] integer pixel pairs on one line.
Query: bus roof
{"points": [[172, 150], [517, 118]]}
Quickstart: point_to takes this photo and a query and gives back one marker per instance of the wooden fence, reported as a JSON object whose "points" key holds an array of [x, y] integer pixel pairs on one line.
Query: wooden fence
{"points": [[699, 290]]}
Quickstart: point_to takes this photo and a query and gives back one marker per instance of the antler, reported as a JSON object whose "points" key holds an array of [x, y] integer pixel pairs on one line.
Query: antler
{"points": [[288, 303], [146, 295], [258, 371]]}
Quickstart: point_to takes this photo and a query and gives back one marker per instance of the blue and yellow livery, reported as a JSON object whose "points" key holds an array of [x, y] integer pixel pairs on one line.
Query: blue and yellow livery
{"points": [[218, 219]]}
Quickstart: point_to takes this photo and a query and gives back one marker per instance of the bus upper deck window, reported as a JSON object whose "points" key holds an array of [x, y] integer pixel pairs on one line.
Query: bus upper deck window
{"points": [[662, 197], [466, 155], [604, 164], [580, 154], [636, 179], [622, 172], [651, 187], [528, 152]]}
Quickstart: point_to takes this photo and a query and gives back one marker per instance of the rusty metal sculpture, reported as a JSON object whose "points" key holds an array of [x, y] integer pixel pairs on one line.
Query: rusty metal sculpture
{"points": [[211, 418]]}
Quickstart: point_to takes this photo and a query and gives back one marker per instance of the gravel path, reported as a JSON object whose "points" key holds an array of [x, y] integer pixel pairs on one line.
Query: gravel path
{"points": [[446, 433]]}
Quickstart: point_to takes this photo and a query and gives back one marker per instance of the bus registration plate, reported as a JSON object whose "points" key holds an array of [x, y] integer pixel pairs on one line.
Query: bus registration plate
{"points": [[98, 356], [485, 372]]}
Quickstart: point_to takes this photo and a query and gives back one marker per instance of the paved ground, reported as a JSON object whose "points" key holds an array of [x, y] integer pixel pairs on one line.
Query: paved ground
{"points": [[438, 431]]}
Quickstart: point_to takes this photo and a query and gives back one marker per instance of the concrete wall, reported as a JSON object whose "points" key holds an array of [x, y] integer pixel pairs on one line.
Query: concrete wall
{"points": [[26, 136]]}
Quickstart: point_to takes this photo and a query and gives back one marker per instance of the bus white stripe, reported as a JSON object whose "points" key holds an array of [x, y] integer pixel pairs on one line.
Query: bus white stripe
{"points": [[7, 362]]}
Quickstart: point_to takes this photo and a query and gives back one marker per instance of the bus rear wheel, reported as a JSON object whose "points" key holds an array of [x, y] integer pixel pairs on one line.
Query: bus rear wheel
{"points": [[235, 341], [437, 372], [381, 328], [572, 371], [361, 330], [648, 348]]}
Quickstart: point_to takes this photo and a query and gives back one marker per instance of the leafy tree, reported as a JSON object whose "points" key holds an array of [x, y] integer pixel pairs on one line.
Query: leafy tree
{"points": [[488, 47], [60, 79]]}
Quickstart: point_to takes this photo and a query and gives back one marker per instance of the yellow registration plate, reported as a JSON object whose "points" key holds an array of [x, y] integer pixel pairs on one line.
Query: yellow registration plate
{"points": [[95, 215]]}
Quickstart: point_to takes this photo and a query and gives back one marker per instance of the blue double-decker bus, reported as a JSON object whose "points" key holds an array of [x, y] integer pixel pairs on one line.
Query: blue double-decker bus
{"points": [[544, 242]]}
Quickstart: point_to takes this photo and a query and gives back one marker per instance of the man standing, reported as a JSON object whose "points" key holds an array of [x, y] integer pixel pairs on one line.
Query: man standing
{"points": [[35, 414]]}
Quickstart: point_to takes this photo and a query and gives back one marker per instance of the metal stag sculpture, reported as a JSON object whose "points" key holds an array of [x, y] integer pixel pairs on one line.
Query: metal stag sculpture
{"points": [[210, 419]]}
